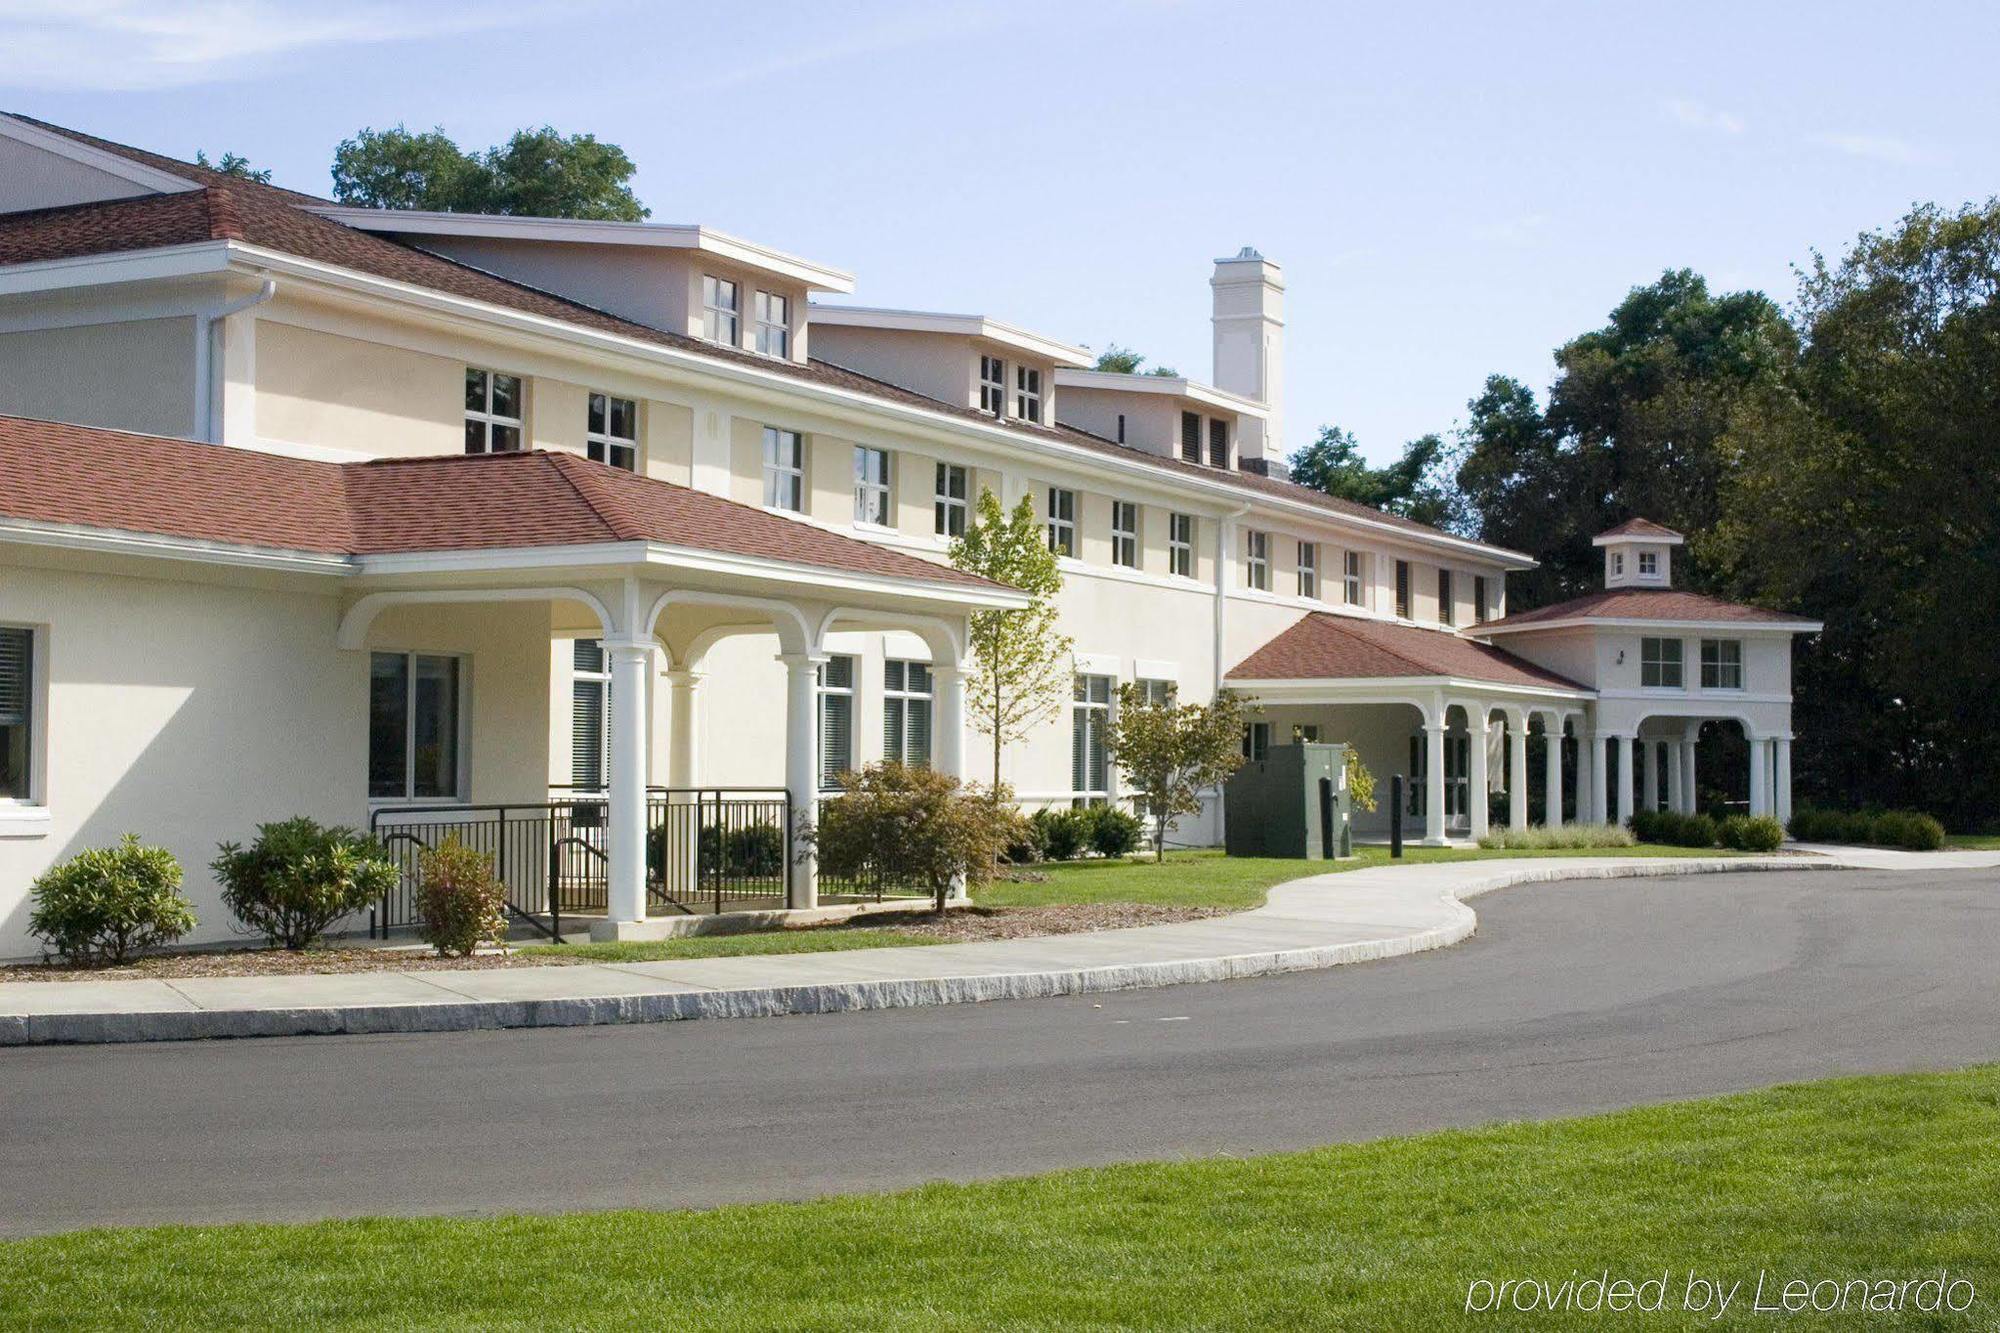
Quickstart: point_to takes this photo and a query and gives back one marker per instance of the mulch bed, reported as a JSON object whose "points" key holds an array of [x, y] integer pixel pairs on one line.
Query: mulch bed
{"points": [[974, 923]]}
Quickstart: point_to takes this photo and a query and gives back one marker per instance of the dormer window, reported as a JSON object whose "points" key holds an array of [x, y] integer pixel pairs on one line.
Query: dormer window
{"points": [[1028, 393], [1649, 564], [773, 324], [720, 312], [992, 385]]}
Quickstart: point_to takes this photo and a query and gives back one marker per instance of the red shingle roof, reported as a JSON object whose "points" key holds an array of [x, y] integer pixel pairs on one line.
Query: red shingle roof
{"points": [[81, 476], [1641, 527], [1646, 604], [1323, 646], [230, 208]]}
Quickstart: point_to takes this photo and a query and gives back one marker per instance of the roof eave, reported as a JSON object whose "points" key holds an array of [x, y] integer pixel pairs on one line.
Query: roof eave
{"points": [[1642, 622]]}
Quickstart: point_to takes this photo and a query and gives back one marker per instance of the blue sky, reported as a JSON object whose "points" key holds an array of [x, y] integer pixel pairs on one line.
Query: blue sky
{"points": [[1452, 189]]}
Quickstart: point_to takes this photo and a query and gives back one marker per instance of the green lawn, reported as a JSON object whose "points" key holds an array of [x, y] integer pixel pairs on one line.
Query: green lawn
{"points": [[1208, 878], [732, 946], [1972, 842], [1893, 1177]]}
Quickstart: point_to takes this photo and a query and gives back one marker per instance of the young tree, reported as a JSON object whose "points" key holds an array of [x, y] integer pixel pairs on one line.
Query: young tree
{"points": [[536, 173], [914, 826], [1172, 752], [1022, 669]]}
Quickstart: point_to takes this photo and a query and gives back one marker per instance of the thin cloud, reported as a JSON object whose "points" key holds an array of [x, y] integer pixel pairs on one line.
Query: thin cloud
{"points": [[1880, 148], [941, 24], [134, 46], [1696, 116]]}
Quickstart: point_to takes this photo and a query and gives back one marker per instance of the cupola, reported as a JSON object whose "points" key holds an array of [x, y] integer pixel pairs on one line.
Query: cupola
{"points": [[1638, 553]]}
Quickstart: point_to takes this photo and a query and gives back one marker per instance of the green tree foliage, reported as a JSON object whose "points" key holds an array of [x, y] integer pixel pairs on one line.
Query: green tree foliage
{"points": [[1170, 753], [1864, 490], [1021, 664], [104, 904], [234, 164], [1118, 360], [536, 173], [1417, 485], [916, 826]]}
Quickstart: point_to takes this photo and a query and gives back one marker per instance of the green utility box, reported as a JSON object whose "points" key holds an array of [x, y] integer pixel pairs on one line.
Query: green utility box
{"points": [[1292, 802]]}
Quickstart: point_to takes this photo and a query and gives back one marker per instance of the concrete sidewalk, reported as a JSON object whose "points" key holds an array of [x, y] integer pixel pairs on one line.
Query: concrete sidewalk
{"points": [[1317, 921]]}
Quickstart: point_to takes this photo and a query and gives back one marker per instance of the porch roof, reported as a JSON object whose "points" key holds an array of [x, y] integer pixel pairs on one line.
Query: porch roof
{"points": [[1650, 604], [82, 477], [1324, 646]]}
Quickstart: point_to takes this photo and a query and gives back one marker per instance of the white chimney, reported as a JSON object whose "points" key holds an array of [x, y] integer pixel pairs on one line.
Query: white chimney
{"points": [[1250, 344]]}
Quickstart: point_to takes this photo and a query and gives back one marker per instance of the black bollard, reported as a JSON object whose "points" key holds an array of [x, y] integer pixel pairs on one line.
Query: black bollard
{"points": [[1396, 815]]}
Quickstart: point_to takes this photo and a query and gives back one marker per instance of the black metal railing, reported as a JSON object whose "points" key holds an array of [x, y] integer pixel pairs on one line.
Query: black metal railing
{"points": [[706, 849]]}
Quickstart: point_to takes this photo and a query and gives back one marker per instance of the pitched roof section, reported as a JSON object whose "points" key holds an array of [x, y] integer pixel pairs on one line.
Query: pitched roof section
{"points": [[81, 476], [230, 208], [1324, 646], [1646, 604], [1640, 527]]}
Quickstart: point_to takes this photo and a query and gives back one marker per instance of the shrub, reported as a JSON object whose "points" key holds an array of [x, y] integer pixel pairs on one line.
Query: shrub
{"points": [[1670, 828], [1113, 832], [1760, 833], [1890, 828], [103, 904], [1542, 839], [460, 901], [1025, 847], [913, 826], [1063, 833], [298, 878]]}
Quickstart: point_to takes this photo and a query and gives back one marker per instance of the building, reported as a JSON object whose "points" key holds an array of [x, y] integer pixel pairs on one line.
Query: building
{"points": [[360, 514]]}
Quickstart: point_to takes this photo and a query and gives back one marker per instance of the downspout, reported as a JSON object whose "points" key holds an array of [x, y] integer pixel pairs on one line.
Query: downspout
{"points": [[206, 391], [1224, 526]]}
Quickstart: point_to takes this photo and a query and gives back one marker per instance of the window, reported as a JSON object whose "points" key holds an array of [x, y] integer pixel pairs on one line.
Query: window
{"points": [[719, 319], [492, 412], [993, 385], [413, 706], [1027, 393], [1660, 663], [784, 469], [1157, 693], [1218, 443], [1125, 534], [1649, 564], [1617, 564], [906, 713], [951, 502], [1403, 589], [1190, 437], [1479, 599], [1256, 741], [871, 486], [1309, 569], [1090, 764], [836, 720], [611, 434], [1351, 576], [1447, 605], [1062, 521], [590, 701], [1305, 733], [17, 712], [1721, 664], [1121, 428], [1180, 545], [1257, 560], [773, 316]]}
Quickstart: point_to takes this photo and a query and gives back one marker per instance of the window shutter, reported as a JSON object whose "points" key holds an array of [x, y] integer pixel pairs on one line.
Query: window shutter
{"points": [[918, 753], [16, 675], [892, 731], [586, 765], [837, 741]]}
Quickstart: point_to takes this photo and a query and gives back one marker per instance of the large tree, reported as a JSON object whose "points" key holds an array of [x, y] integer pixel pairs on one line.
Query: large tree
{"points": [[1865, 490], [536, 173], [1022, 668], [1416, 485]]}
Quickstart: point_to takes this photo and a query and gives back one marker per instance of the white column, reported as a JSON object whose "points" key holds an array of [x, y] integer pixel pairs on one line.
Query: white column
{"points": [[948, 726], [1642, 770], [1783, 779], [1628, 759], [1589, 783], [1478, 779], [1676, 788], [1434, 784], [1517, 760], [1552, 789], [625, 851], [1760, 785], [683, 742], [1690, 793], [802, 769]]}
